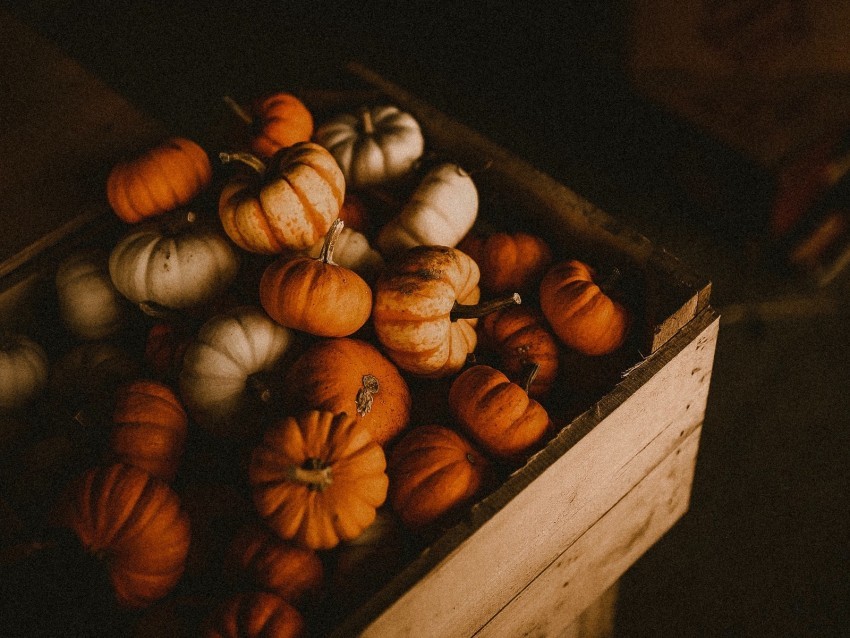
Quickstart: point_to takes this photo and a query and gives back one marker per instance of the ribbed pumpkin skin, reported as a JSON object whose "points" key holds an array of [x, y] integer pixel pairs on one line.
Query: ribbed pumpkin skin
{"points": [[280, 120], [23, 370], [412, 301], [89, 305], [508, 261], [135, 523], [254, 615], [318, 517], [291, 206], [519, 336], [163, 178], [332, 375], [497, 413], [149, 428], [581, 315], [433, 470]]}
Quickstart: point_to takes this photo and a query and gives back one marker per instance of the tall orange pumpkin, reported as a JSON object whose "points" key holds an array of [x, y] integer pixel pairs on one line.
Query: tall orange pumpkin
{"points": [[280, 120]]}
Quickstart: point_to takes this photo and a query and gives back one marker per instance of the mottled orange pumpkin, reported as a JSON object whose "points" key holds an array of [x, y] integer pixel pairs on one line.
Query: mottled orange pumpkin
{"points": [[254, 615], [582, 316], [318, 478], [508, 261], [497, 413], [280, 120], [161, 179]]}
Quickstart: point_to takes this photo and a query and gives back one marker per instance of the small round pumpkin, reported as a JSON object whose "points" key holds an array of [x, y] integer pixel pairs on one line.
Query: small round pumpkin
{"points": [[149, 428], [350, 375], [318, 478], [161, 179], [135, 524], [497, 413], [316, 295], [89, 305], [254, 615], [279, 120], [440, 212], [508, 260], [519, 336], [230, 352], [266, 562], [23, 370], [433, 472], [377, 145], [288, 204], [425, 310], [172, 265], [582, 316]]}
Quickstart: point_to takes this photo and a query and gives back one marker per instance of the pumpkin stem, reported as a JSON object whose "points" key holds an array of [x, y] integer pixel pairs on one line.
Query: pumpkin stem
{"points": [[326, 254], [528, 374], [366, 121], [260, 388], [245, 158], [314, 474], [366, 394], [474, 311], [609, 279], [241, 113]]}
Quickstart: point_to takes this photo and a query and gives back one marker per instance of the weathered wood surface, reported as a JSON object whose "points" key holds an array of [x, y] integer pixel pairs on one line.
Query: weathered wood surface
{"points": [[468, 575]]}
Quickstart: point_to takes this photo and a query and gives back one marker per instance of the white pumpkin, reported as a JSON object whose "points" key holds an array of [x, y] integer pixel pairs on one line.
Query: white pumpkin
{"points": [[376, 145], [352, 250], [89, 304], [229, 350], [173, 265], [440, 212], [23, 370]]}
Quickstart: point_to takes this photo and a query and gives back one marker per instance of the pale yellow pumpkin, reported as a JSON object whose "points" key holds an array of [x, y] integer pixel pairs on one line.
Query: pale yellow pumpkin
{"points": [[89, 304], [23, 370]]}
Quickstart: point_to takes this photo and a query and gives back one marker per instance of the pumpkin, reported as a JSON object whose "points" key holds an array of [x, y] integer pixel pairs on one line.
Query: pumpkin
{"points": [[580, 313], [425, 310], [508, 261], [266, 562], [135, 524], [439, 212], [149, 428], [352, 250], [280, 120], [354, 213], [172, 265], [434, 471], [165, 345], [350, 375], [316, 295], [377, 145], [89, 305], [519, 335], [223, 365], [289, 204], [318, 478], [497, 413], [161, 179], [23, 370], [254, 615]]}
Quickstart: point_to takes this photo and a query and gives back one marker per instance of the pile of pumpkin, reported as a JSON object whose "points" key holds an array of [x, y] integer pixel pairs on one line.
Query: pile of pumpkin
{"points": [[282, 376]]}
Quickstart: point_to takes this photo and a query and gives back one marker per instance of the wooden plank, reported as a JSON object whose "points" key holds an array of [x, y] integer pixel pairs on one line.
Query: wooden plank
{"points": [[556, 598], [544, 507], [597, 621]]}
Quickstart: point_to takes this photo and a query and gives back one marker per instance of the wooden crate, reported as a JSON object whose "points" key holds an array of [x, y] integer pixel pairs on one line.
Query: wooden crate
{"points": [[540, 555]]}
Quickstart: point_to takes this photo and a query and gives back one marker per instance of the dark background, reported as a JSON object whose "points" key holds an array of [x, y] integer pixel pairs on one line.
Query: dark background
{"points": [[763, 550]]}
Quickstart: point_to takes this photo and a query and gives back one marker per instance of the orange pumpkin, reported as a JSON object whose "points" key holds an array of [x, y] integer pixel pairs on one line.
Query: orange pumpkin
{"points": [[254, 615], [161, 179], [318, 478], [425, 310], [266, 562], [134, 523], [280, 120], [355, 213], [498, 414], [165, 345], [289, 204], [351, 375], [582, 316], [316, 295], [433, 472], [519, 336], [508, 261], [150, 428]]}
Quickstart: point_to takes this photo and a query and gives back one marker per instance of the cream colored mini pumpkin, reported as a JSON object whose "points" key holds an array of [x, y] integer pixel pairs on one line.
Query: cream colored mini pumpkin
{"points": [[220, 365], [89, 305], [353, 251], [440, 212], [23, 370], [173, 266], [376, 145]]}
